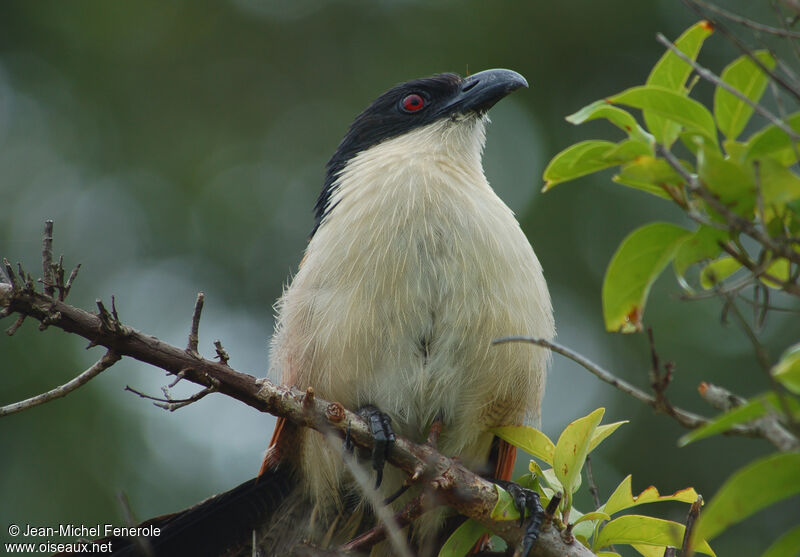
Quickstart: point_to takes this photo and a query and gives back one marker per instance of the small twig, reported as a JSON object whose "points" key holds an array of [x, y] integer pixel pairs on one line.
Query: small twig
{"points": [[193, 333], [759, 270], [747, 22], [764, 361], [791, 89], [15, 327], [592, 485], [108, 359], [691, 518], [768, 426], [70, 280], [12, 278], [684, 417], [178, 377], [222, 354], [785, 29], [710, 76], [114, 313], [47, 259], [171, 404]]}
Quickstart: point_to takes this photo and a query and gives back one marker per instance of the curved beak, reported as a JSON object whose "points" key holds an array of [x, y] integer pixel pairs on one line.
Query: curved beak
{"points": [[481, 91]]}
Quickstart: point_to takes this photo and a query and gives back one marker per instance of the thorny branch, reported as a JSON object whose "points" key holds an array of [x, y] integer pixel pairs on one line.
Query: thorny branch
{"points": [[453, 485]]}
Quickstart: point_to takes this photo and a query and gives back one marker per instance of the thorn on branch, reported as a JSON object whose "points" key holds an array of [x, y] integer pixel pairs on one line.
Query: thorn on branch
{"points": [[191, 347], [550, 510], [658, 381], [47, 259], [592, 485], [308, 399], [109, 321], [178, 377], [70, 280], [12, 278], [222, 354], [15, 327], [691, 518]]}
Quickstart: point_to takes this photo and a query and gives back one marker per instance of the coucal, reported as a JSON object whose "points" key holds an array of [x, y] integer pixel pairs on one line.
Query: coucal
{"points": [[413, 267]]}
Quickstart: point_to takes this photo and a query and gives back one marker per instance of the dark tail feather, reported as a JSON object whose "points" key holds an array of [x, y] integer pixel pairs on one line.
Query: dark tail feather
{"points": [[214, 527]]}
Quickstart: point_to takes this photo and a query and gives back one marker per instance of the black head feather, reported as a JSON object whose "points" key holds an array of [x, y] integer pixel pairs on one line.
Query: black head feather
{"points": [[442, 95]]}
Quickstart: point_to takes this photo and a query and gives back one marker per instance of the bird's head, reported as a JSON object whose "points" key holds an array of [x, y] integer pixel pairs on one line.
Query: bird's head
{"points": [[444, 112]]}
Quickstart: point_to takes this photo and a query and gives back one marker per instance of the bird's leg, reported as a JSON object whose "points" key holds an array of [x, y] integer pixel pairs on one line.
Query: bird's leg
{"points": [[383, 437], [525, 500]]}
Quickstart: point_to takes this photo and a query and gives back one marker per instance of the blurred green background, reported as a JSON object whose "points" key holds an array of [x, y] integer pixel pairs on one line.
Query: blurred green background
{"points": [[179, 146]]}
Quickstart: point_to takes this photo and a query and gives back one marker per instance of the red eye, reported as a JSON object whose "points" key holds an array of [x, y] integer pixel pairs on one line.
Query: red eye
{"points": [[413, 102]]}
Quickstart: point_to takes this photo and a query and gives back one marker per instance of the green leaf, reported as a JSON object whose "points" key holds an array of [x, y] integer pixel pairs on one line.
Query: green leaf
{"points": [[603, 431], [649, 550], [504, 509], [703, 244], [623, 497], [670, 72], [607, 554], [742, 74], [778, 269], [779, 186], [787, 370], [637, 529], [596, 515], [627, 151], [578, 160], [529, 439], [463, 539], [729, 180], [750, 489], [572, 448], [735, 149], [651, 175], [718, 270], [639, 260], [785, 546], [747, 412], [689, 113], [620, 118], [774, 143]]}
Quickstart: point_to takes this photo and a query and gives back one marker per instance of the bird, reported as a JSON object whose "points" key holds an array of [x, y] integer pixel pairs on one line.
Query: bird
{"points": [[414, 265]]}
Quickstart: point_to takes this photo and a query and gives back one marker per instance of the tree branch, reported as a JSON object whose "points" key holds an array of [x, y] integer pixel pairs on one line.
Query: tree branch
{"points": [[687, 419], [454, 485], [108, 359]]}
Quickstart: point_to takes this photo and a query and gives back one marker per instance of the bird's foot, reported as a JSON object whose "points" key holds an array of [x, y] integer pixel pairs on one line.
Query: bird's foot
{"points": [[525, 500], [383, 437]]}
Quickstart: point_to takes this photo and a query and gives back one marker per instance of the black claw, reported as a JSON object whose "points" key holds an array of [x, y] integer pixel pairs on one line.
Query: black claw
{"points": [[383, 437], [526, 500]]}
